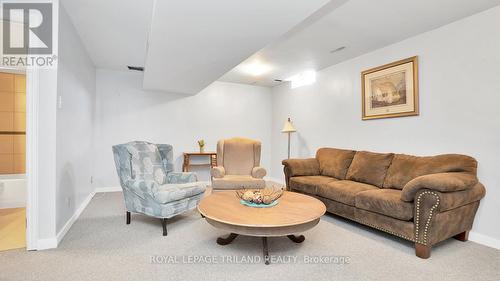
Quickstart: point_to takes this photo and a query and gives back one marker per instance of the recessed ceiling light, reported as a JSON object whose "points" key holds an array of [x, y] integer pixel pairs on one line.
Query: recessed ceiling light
{"points": [[255, 68], [338, 49]]}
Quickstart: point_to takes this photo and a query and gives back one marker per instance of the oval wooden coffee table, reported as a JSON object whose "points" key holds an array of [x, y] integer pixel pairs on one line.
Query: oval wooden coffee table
{"points": [[293, 214]]}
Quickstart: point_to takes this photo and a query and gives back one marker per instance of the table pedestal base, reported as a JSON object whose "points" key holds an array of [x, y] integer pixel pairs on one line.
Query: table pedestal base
{"points": [[224, 241], [227, 240]]}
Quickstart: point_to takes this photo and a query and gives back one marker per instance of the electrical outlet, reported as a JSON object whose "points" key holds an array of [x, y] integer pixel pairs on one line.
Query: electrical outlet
{"points": [[68, 201], [59, 102], [91, 179]]}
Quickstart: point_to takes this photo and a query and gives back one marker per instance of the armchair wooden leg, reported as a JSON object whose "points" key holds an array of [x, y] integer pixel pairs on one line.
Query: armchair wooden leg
{"points": [[164, 225], [464, 236], [422, 251], [128, 217]]}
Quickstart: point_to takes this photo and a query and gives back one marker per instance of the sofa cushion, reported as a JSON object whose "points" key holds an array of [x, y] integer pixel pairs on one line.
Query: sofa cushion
{"points": [[369, 167], [386, 202], [334, 162], [309, 184], [240, 155], [343, 191], [404, 168], [174, 192]]}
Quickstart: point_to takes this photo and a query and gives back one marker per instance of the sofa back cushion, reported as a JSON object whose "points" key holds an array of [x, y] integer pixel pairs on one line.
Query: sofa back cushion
{"points": [[146, 163], [334, 162], [238, 156], [404, 168], [369, 167]]}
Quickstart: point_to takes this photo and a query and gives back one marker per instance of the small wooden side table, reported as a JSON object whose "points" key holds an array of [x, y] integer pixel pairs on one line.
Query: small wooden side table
{"points": [[212, 156]]}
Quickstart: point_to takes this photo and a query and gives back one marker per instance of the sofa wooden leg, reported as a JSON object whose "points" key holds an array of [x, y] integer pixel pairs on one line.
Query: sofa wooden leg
{"points": [[464, 236], [164, 225], [422, 251], [128, 217]]}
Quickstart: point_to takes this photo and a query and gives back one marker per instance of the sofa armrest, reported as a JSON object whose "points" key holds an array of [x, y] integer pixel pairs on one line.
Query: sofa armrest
{"points": [[302, 167], [440, 215], [299, 167], [452, 200], [181, 177], [442, 182], [218, 172], [258, 172]]}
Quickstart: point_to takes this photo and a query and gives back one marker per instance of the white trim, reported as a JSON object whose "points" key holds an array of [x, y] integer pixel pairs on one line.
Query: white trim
{"points": [[72, 220], [53, 242], [9, 177], [32, 135], [12, 204], [108, 189], [484, 240], [47, 243]]}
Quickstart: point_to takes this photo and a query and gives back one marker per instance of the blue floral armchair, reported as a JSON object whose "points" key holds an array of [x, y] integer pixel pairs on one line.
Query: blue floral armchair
{"points": [[150, 186]]}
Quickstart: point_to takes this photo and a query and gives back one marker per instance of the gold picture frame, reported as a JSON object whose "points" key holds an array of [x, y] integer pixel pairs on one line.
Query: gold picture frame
{"points": [[390, 90]]}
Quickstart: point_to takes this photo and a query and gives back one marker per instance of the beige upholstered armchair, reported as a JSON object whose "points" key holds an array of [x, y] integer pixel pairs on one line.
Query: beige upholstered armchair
{"points": [[238, 165]]}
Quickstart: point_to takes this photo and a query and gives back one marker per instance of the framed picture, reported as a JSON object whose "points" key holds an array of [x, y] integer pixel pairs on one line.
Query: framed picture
{"points": [[390, 90]]}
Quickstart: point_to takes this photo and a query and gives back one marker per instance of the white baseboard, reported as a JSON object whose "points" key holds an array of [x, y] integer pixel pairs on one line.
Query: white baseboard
{"points": [[47, 243], [108, 189], [71, 221], [51, 243], [484, 240]]}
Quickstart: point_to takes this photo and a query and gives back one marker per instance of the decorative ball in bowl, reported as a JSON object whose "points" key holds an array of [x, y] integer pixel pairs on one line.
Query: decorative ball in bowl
{"points": [[260, 198]]}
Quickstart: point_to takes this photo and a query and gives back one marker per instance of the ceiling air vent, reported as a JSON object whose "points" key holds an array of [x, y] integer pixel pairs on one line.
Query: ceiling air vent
{"points": [[338, 49], [136, 68]]}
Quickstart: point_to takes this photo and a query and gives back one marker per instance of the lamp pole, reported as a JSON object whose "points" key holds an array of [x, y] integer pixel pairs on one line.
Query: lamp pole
{"points": [[288, 128], [289, 145]]}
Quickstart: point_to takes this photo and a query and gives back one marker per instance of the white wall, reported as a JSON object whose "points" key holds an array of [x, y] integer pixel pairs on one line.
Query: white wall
{"points": [[126, 112], [47, 90], [76, 90], [459, 104]]}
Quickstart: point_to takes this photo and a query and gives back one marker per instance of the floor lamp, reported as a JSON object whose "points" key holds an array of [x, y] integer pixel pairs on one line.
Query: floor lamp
{"points": [[288, 128]]}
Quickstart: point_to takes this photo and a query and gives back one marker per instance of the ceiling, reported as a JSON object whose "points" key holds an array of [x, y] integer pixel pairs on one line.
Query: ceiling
{"points": [[184, 45], [194, 42], [114, 32], [359, 25]]}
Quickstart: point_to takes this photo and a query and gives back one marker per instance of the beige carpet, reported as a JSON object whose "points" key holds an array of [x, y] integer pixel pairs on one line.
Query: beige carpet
{"points": [[100, 246], [12, 228]]}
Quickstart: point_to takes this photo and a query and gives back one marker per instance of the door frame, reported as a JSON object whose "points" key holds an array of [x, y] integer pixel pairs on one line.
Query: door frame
{"points": [[32, 93], [32, 136]]}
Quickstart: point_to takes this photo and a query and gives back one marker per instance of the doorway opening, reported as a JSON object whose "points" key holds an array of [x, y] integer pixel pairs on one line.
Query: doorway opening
{"points": [[13, 181]]}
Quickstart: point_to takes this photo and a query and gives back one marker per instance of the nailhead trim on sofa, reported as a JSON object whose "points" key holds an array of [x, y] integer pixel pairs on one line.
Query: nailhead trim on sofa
{"points": [[431, 213]]}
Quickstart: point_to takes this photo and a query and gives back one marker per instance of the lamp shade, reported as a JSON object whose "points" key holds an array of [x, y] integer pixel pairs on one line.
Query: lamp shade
{"points": [[288, 127]]}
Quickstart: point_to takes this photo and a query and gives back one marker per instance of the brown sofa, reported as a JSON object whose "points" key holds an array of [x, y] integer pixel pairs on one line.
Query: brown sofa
{"points": [[421, 199]]}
